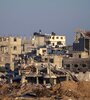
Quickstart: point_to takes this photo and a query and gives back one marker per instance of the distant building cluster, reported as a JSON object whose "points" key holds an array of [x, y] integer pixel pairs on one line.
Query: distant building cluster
{"points": [[44, 56], [12, 47]]}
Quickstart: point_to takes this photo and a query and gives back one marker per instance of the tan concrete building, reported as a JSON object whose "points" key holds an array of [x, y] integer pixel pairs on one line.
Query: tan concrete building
{"points": [[80, 54], [56, 60], [4, 58], [10, 48], [53, 40], [42, 51], [38, 39], [26, 45]]}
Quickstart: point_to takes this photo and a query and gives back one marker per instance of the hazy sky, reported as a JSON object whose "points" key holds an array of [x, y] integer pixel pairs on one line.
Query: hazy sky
{"points": [[23, 17]]}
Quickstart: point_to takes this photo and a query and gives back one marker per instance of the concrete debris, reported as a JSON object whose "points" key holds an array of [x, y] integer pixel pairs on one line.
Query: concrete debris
{"points": [[66, 90], [83, 76]]}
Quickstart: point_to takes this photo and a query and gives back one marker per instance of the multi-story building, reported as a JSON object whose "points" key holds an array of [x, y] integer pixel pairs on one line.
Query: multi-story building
{"points": [[4, 59], [53, 40], [42, 51], [56, 40], [10, 48], [26, 45], [80, 59], [82, 41], [38, 39]]}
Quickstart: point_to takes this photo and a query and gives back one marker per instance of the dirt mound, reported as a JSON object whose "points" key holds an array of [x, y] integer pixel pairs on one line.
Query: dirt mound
{"points": [[84, 88], [67, 88], [69, 85], [72, 89]]}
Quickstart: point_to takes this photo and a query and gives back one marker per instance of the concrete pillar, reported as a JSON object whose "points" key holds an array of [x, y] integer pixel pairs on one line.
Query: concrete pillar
{"points": [[23, 79], [44, 82], [48, 70], [19, 72], [54, 81], [37, 80], [67, 77], [36, 70], [12, 66]]}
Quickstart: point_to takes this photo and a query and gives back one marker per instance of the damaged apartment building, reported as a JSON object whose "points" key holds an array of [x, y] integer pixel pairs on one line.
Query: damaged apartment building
{"points": [[48, 53], [10, 47], [45, 43], [53, 40], [79, 58], [48, 46]]}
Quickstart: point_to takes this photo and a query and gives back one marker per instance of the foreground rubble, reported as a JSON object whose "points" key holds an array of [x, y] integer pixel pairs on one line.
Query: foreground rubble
{"points": [[66, 90]]}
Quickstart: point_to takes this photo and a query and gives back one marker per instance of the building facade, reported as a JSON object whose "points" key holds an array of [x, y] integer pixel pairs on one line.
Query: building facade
{"points": [[26, 45], [80, 59], [10, 48], [77, 64], [38, 39], [82, 41], [56, 40]]}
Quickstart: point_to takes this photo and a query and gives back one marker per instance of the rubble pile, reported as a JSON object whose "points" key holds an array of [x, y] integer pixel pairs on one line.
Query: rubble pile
{"points": [[8, 91], [24, 88], [63, 90], [75, 90], [84, 88], [42, 92], [70, 89]]}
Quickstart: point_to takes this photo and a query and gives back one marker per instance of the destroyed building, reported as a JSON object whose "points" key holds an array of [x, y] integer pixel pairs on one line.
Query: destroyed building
{"points": [[10, 47], [79, 61]]}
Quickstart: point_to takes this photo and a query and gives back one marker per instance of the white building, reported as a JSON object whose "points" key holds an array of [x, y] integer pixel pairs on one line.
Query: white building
{"points": [[56, 40]]}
